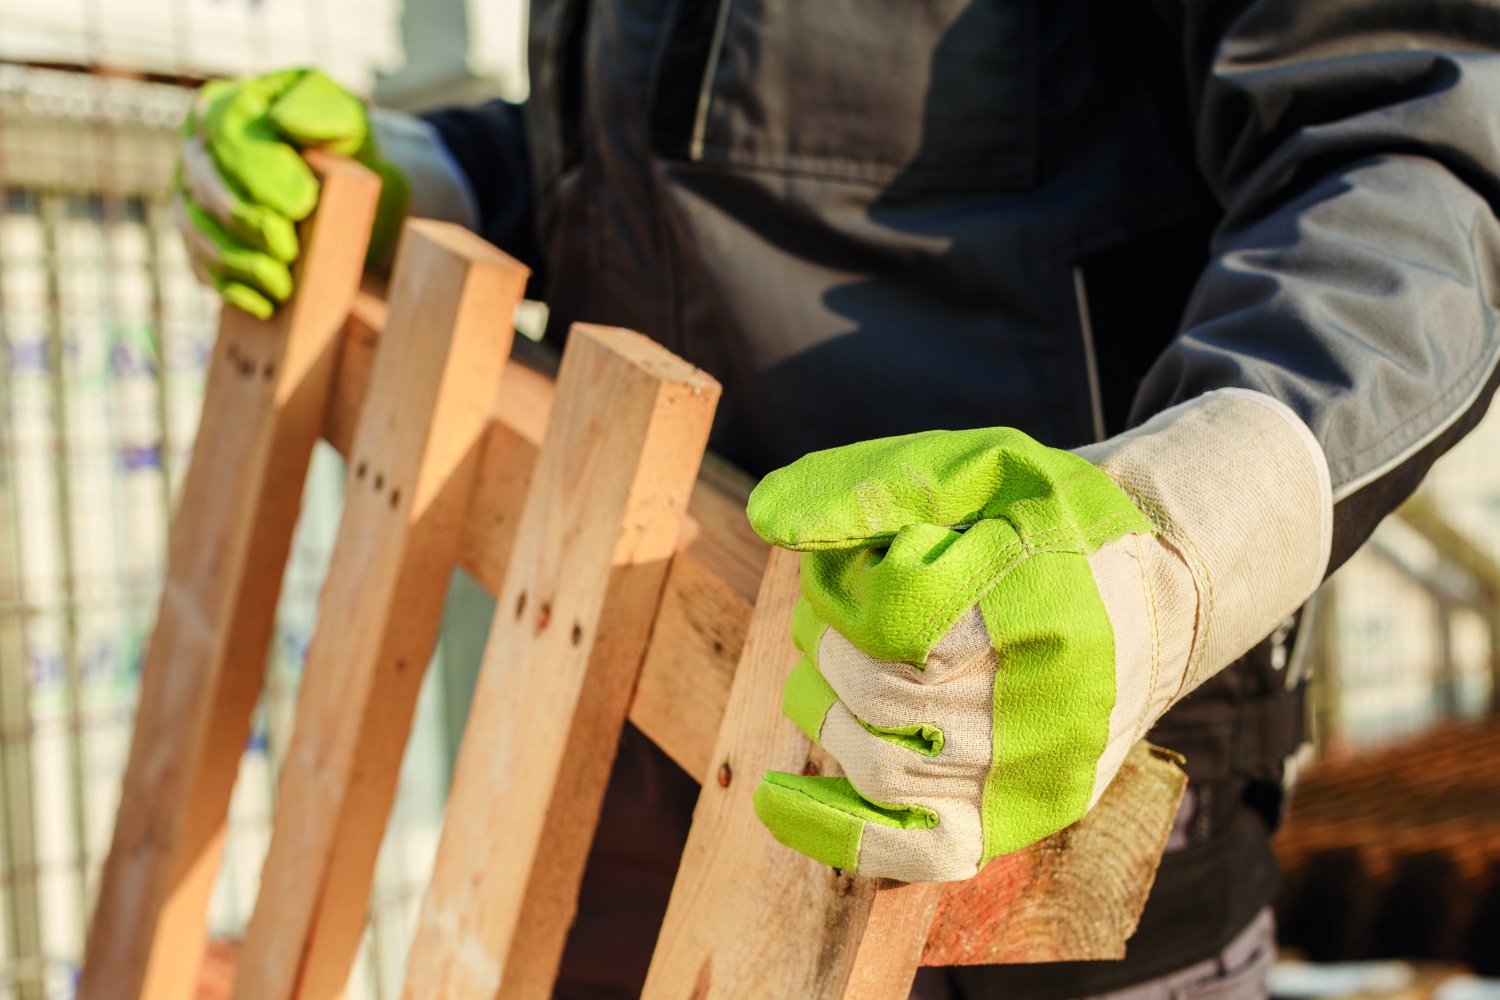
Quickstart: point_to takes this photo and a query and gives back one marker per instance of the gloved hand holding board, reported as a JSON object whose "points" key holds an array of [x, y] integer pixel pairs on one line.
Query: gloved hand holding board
{"points": [[988, 625], [243, 185]]}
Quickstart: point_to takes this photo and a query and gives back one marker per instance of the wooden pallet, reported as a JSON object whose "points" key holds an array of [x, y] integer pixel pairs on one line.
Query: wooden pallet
{"points": [[629, 585]]}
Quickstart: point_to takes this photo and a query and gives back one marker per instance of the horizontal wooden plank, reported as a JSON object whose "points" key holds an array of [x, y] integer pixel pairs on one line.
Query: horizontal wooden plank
{"points": [[1076, 895], [689, 667]]}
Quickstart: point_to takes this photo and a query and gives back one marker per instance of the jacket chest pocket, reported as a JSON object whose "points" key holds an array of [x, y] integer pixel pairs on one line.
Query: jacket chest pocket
{"points": [[911, 94]]}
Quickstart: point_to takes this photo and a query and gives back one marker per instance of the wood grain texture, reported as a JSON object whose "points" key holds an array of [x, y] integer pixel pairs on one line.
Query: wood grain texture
{"points": [[890, 950], [689, 666], [268, 386], [602, 517], [518, 424], [351, 385], [749, 918], [412, 465], [1076, 895]]}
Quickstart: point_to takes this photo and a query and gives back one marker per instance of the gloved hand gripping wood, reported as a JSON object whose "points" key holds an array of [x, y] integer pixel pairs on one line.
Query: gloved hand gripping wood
{"points": [[989, 624], [243, 185]]}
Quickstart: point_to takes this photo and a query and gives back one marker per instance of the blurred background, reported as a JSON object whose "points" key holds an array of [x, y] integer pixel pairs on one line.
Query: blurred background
{"points": [[1393, 844]]}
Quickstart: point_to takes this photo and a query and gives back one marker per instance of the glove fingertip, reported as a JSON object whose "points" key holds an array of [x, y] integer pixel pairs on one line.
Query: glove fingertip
{"points": [[281, 238], [247, 299], [773, 512], [806, 824]]}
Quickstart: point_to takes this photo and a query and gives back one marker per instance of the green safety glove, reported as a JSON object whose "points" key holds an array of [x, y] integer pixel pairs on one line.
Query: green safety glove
{"points": [[243, 185], [988, 625]]}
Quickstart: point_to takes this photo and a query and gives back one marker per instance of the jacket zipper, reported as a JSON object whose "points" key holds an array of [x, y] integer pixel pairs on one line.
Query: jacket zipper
{"points": [[705, 89], [1090, 359]]}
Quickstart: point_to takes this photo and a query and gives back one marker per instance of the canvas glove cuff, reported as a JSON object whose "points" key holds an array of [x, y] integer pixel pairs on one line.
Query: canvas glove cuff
{"points": [[243, 185], [988, 625]]}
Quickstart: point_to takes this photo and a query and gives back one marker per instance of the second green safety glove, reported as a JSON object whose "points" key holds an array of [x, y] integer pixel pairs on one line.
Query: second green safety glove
{"points": [[988, 625], [244, 186]]}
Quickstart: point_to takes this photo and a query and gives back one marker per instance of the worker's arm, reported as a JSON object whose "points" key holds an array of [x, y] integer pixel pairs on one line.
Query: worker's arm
{"points": [[1355, 146]]}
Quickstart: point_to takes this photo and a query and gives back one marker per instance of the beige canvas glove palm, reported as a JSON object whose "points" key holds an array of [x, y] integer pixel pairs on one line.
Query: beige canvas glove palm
{"points": [[989, 625]]}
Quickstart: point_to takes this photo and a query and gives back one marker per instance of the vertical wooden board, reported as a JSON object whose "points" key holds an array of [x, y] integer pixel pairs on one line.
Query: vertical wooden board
{"points": [[749, 918], [602, 517], [268, 384], [1078, 894], [412, 462], [890, 950]]}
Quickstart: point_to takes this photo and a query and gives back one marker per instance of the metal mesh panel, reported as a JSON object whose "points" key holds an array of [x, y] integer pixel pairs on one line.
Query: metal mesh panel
{"points": [[106, 334]]}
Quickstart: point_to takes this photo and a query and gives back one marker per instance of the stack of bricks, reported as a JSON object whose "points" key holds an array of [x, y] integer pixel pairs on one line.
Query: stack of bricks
{"points": [[1396, 854]]}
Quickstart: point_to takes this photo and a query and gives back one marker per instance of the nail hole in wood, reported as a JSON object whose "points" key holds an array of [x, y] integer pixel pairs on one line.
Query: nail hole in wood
{"points": [[268, 370], [718, 646], [725, 774], [520, 605], [400, 665], [359, 473], [811, 769], [395, 498], [379, 482], [577, 633], [543, 616], [838, 873]]}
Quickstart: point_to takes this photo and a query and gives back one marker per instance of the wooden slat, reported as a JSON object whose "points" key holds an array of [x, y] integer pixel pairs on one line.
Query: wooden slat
{"points": [[600, 523], [749, 917], [356, 364], [1076, 895], [412, 467], [689, 667], [268, 385], [890, 950], [518, 424]]}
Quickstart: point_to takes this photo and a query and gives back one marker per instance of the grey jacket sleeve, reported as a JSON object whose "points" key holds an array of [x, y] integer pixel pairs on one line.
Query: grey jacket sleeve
{"points": [[1355, 147]]}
